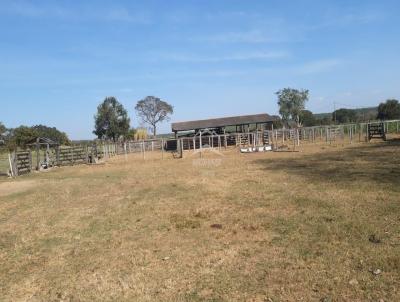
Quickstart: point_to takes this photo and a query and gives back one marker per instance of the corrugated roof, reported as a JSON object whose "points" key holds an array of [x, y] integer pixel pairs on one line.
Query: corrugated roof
{"points": [[224, 121]]}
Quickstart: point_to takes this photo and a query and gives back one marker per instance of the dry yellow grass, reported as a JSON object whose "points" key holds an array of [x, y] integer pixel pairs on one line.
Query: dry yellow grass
{"points": [[256, 227]]}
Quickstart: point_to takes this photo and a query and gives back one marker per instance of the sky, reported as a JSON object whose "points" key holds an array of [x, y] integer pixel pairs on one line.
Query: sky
{"points": [[60, 59]]}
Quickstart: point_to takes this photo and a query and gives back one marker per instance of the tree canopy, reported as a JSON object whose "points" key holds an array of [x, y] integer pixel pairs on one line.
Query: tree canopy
{"points": [[52, 133], [111, 120], [291, 103], [3, 129], [344, 115], [131, 134], [21, 136], [307, 118], [152, 111], [389, 110]]}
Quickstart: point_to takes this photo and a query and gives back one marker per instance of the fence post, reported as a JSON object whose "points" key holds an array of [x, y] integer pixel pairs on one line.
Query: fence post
{"points": [[326, 134], [351, 134], [30, 160], [37, 155], [58, 155], [181, 148], [11, 165], [15, 163]]}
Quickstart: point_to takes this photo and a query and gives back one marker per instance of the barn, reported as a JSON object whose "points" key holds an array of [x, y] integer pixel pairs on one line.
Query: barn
{"points": [[233, 124]]}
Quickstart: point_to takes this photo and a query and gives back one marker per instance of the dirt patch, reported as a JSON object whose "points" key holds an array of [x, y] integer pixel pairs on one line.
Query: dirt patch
{"points": [[11, 187]]}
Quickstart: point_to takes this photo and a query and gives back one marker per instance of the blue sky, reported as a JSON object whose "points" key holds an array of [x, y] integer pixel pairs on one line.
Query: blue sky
{"points": [[59, 59]]}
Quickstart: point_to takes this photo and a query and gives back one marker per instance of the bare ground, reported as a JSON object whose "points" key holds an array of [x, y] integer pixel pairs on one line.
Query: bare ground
{"points": [[12, 187]]}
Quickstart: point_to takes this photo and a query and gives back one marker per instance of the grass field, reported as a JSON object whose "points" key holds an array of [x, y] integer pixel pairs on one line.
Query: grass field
{"points": [[322, 224]]}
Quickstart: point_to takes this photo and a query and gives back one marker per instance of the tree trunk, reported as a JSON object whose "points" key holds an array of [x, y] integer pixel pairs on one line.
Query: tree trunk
{"points": [[154, 131]]}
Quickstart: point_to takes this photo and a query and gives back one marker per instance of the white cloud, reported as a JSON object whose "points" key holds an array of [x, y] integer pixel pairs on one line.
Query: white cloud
{"points": [[318, 66], [345, 19], [250, 36], [84, 13], [234, 57], [22, 8], [124, 15]]}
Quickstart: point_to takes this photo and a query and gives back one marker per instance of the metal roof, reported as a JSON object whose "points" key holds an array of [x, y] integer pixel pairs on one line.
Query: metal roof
{"points": [[42, 141], [224, 121]]}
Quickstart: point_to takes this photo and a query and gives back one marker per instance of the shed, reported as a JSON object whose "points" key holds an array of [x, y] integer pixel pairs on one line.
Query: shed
{"points": [[220, 125]]}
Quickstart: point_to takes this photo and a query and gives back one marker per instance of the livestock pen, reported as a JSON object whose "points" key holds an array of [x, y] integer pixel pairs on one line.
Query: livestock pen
{"points": [[44, 154]]}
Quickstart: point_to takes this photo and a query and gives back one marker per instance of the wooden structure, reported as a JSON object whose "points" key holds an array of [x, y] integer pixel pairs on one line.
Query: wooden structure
{"points": [[49, 156], [71, 155], [376, 130], [20, 163], [219, 126]]}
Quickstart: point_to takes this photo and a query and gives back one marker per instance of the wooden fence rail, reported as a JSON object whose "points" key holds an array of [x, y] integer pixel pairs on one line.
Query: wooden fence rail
{"points": [[21, 162]]}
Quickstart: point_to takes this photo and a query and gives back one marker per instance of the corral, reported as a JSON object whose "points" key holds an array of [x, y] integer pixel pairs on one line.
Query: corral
{"points": [[321, 224], [22, 162]]}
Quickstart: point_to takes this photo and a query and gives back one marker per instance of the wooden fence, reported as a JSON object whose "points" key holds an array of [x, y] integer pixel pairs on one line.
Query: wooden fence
{"points": [[20, 162], [24, 162], [71, 155]]}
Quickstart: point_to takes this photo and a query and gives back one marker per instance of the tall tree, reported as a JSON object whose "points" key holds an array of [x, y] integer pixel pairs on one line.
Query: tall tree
{"points": [[111, 120], [3, 129], [152, 111], [389, 110], [291, 103]]}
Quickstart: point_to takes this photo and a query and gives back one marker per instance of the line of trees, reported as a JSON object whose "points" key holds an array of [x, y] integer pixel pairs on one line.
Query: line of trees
{"points": [[12, 138], [292, 102], [113, 123]]}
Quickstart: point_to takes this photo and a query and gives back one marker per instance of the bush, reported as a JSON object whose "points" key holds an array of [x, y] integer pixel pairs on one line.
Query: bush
{"points": [[389, 110]]}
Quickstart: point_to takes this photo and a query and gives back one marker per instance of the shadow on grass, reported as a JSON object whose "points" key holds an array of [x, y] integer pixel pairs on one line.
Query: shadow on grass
{"points": [[377, 162]]}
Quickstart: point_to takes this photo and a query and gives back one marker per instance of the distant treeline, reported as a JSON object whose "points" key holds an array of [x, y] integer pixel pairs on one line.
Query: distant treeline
{"points": [[21, 136], [385, 111]]}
